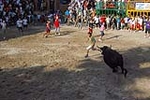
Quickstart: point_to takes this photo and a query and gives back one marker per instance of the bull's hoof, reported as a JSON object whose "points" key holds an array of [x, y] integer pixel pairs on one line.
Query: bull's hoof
{"points": [[86, 56], [46, 36]]}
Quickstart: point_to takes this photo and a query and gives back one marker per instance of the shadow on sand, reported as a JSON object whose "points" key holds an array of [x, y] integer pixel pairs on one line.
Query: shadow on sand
{"points": [[13, 32], [91, 80], [113, 37]]}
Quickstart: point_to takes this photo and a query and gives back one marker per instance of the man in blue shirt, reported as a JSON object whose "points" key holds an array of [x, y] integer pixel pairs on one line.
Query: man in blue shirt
{"points": [[147, 31], [67, 15]]}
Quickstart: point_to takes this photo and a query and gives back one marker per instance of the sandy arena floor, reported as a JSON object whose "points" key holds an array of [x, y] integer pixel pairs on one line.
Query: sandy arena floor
{"points": [[54, 68]]}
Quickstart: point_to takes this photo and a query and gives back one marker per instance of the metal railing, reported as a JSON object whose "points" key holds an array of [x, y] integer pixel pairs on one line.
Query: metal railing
{"points": [[111, 5], [109, 8]]}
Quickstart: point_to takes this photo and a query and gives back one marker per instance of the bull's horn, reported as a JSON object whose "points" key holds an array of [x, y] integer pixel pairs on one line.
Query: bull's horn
{"points": [[99, 48]]}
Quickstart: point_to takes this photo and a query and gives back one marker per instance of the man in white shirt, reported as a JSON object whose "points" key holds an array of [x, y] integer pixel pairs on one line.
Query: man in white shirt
{"points": [[19, 25], [126, 21], [3, 24], [4, 27], [108, 20], [96, 20], [25, 23], [38, 17]]}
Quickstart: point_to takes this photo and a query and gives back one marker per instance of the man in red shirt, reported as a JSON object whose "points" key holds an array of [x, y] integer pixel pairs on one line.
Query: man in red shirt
{"points": [[48, 29], [57, 26], [102, 19]]}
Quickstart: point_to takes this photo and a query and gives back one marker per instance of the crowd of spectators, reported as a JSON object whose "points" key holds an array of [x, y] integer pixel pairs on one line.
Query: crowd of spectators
{"points": [[83, 13], [12, 10], [21, 13], [79, 13]]}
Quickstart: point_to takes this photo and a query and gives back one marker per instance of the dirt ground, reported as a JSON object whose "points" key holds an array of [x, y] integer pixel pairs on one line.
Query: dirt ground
{"points": [[54, 68]]}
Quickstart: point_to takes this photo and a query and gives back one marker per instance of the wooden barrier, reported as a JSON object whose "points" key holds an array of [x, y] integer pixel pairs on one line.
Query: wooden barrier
{"points": [[138, 8], [137, 13], [111, 8]]}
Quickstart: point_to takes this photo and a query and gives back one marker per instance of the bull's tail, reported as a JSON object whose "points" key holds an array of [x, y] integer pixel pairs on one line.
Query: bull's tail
{"points": [[125, 72]]}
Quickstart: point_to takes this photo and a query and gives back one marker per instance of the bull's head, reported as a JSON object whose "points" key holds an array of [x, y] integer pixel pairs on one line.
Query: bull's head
{"points": [[102, 49]]}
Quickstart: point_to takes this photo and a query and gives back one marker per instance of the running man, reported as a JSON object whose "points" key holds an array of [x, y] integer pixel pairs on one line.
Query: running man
{"points": [[48, 29], [92, 43]]}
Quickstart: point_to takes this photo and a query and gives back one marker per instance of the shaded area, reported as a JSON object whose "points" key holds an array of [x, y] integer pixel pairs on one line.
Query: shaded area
{"points": [[67, 32], [62, 33], [90, 80], [113, 37], [12, 32]]}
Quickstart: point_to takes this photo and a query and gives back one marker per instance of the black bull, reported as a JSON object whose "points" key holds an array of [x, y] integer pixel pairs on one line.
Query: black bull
{"points": [[113, 59]]}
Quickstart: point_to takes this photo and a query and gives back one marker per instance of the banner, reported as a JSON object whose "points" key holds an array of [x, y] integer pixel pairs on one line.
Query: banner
{"points": [[142, 6]]}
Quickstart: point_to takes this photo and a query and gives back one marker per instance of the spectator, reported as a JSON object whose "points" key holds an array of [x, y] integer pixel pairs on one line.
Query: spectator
{"points": [[20, 25], [67, 16], [25, 23], [79, 22], [118, 22], [96, 20], [11, 10], [126, 22], [3, 25], [122, 23], [108, 20], [147, 31]]}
